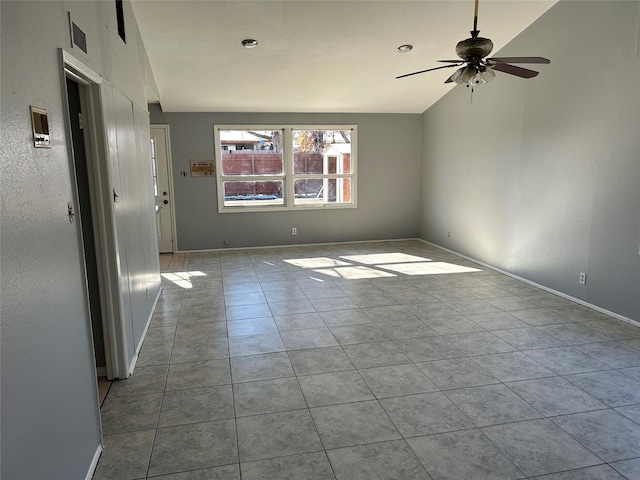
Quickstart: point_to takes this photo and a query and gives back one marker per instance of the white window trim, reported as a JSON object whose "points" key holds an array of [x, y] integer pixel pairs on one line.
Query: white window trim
{"points": [[288, 177]]}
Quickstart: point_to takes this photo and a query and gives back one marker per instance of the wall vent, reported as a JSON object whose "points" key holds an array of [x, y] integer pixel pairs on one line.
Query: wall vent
{"points": [[79, 37]]}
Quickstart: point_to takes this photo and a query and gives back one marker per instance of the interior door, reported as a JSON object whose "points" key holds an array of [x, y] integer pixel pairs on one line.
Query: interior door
{"points": [[162, 186], [78, 116]]}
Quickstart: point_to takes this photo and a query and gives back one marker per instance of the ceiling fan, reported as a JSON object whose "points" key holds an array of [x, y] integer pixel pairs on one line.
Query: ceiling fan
{"points": [[476, 68]]}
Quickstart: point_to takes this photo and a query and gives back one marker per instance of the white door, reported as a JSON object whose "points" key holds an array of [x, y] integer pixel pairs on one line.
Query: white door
{"points": [[162, 186]]}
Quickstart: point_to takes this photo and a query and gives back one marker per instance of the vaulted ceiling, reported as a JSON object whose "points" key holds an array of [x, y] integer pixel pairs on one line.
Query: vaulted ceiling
{"points": [[314, 55]]}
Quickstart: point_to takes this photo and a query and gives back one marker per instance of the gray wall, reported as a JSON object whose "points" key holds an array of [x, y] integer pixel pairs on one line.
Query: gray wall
{"points": [[541, 177], [388, 184], [50, 416]]}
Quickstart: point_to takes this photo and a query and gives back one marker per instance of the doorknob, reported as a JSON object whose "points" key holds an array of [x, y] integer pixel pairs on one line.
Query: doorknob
{"points": [[166, 202]]}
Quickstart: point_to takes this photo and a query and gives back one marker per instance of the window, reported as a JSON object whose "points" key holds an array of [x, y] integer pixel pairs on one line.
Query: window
{"points": [[154, 167], [120, 20], [285, 167]]}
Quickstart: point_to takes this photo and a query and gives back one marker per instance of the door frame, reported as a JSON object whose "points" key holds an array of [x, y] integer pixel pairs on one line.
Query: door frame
{"points": [[96, 142], [172, 205]]}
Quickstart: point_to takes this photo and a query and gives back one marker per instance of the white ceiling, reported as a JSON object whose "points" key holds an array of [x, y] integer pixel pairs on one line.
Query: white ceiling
{"points": [[314, 55]]}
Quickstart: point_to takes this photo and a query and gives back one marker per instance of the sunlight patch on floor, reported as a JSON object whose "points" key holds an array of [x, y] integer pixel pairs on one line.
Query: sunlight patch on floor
{"points": [[183, 279], [318, 262], [430, 268], [378, 258], [377, 265], [354, 273]]}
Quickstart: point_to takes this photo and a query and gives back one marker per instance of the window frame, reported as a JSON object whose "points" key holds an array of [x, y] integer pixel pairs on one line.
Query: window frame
{"points": [[288, 177]]}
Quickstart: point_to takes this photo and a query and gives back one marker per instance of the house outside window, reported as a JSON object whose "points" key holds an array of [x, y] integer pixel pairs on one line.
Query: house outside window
{"points": [[266, 168]]}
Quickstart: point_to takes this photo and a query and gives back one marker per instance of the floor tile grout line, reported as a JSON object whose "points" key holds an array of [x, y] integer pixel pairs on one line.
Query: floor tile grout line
{"points": [[233, 393], [313, 421]]}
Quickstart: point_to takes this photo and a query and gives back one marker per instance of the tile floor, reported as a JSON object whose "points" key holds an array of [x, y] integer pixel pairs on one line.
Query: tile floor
{"points": [[390, 360]]}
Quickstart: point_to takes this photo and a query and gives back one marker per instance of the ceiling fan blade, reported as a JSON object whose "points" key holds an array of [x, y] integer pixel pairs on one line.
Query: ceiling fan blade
{"points": [[517, 60], [428, 70], [513, 70], [449, 61]]}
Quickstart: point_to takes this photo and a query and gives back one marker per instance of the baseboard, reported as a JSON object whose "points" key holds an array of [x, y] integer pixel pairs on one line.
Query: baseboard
{"points": [[94, 463], [101, 371], [537, 285]]}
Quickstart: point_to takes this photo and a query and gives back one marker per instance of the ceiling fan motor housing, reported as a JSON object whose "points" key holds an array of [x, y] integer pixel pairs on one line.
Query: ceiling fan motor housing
{"points": [[471, 48]]}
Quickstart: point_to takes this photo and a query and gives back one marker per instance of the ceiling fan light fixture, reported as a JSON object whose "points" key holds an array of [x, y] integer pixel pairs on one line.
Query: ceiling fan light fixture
{"points": [[468, 75], [472, 75], [406, 48], [485, 75], [249, 43], [457, 75]]}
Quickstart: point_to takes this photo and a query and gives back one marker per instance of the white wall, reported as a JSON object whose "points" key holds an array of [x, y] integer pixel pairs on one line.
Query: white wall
{"points": [[50, 416], [541, 177], [388, 169]]}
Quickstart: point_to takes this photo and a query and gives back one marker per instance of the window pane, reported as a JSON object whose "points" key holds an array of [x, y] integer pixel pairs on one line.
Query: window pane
{"points": [[321, 151], [253, 194], [154, 167], [317, 191], [251, 152], [307, 162]]}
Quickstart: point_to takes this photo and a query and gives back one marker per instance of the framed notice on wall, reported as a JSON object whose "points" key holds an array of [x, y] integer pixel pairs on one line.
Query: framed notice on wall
{"points": [[203, 168]]}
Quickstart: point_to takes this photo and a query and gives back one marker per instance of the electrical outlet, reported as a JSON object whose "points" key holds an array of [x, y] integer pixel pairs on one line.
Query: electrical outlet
{"points": [[294, 231], [583, 278], [448, 234]]}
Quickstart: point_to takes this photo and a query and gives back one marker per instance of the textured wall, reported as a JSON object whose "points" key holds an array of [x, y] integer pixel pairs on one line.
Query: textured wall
{"points": [[50, 418], [541, 177], [388, 165]]}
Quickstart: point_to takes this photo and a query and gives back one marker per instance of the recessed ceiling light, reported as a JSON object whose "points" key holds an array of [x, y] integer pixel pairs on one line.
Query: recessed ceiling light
{"points": [[405, 48], [249, 43]]}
